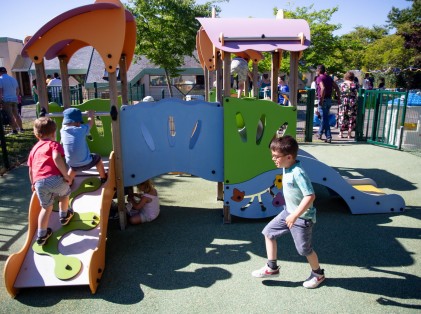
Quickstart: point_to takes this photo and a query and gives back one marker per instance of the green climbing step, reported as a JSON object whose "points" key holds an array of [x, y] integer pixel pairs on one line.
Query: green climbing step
{"points": [[67, 267]]}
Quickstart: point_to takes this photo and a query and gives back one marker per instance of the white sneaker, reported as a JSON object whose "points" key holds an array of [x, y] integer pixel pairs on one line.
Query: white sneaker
{"points": [[314, 280], [266, 272]]}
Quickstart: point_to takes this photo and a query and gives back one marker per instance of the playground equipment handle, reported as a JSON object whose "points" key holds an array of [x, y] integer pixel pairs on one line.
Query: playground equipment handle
{"points": [[84, 113]]}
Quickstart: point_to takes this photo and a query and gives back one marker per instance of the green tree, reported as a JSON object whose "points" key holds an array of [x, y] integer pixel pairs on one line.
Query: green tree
{"points": [[356, 42], [322, 39], [166, 31], [398, 17], [387, 53], [408, 24]]}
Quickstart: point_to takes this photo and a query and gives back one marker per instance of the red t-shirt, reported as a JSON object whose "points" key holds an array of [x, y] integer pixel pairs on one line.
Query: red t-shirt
{"points": [[41, 159]]}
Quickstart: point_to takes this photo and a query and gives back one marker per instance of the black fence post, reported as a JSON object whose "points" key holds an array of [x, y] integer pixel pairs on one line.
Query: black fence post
{"points": [[360, 116], [374, 134], [3, 145], [308, 133], [80, 93], [96, 90]]}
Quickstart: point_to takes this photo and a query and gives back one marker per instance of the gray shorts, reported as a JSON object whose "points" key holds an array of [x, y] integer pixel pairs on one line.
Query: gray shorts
{"points": [[240, 67], [95, 159], [301, 232], [11, 109], [49, 188]]}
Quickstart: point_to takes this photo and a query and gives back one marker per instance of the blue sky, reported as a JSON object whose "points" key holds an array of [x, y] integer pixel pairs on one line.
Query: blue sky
{"points": [[21, 18]]}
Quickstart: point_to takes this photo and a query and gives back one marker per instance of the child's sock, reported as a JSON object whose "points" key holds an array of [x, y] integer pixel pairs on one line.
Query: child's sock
{"points": [[318, 271], [63, 213], [41, 233], [272, 264]]}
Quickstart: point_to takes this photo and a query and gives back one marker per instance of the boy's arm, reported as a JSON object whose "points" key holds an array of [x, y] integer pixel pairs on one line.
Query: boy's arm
{"points": [[142, 202], [31, 179], [91, 117], [61, 165], [322, 93], [304, 205]]}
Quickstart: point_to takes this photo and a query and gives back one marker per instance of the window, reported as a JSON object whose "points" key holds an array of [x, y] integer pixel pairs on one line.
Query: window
{"points": [[157, 80]]}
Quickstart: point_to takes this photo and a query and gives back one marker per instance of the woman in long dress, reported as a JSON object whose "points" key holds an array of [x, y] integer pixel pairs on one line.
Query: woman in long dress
{"points": [[347, 112]]}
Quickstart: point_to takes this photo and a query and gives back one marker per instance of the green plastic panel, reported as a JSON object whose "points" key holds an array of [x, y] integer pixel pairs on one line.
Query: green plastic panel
{"points": [[66, 267], [249, 127], [100, 141]]}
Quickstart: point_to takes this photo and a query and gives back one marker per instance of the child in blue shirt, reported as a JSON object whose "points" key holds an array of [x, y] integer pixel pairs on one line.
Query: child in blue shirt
{"points": [[298, 216], [73, 137]]}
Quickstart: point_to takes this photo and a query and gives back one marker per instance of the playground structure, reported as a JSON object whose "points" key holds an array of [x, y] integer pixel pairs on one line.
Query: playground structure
{"points": [[226, 141]]}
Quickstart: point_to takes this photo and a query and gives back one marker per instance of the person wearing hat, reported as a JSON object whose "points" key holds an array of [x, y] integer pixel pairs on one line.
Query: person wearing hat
{"points": [[73, 137], [9, 93]]}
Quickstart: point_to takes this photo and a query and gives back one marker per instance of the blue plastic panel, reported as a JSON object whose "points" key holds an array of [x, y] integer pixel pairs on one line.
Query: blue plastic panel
{"points": [[172, 135]]}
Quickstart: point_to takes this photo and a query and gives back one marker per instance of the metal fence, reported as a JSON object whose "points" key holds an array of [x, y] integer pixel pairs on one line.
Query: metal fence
{"points": [[384, 118], [79, 94], [389, 120]]}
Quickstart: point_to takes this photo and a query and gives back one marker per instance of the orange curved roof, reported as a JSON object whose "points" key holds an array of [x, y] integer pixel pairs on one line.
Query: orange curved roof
{"points": [[105, 25]]}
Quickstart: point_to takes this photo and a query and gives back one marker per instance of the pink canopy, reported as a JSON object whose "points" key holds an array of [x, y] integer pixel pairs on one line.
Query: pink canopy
{"points": [[234, 35]]}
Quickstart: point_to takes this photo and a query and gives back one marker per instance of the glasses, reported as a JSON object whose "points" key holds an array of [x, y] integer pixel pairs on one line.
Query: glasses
{"points": [[278, 156]]}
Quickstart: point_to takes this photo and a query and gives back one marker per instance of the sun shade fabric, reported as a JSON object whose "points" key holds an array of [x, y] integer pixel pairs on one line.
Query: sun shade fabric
{"points": [[256, 34]]}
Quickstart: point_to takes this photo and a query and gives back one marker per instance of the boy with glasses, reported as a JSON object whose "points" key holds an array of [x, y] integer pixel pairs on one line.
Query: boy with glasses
{"points": [[298, 216]]}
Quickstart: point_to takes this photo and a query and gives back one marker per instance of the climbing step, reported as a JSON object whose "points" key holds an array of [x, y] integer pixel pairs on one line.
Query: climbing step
{"points": [[66, 267]]}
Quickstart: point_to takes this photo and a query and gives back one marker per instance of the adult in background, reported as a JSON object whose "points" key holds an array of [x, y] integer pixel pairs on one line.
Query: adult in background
{"points": [[382, 83], [9, 93], [347, 113], [240, 67], [264, 86], [367, 83], [34, 91], [283, 90], [48, 79], [325, 87], [55, 86]]}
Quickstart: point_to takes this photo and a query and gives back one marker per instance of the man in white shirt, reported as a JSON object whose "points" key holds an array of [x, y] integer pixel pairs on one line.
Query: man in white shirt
{"points": [[55, 88]]}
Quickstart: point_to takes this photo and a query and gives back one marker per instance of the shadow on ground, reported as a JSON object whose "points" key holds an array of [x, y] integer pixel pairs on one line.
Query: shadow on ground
{"points": [[190, 247], [187, 247]]}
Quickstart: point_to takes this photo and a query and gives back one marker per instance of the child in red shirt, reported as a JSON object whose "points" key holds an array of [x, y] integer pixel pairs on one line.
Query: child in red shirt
{"points": [[48, 175]]}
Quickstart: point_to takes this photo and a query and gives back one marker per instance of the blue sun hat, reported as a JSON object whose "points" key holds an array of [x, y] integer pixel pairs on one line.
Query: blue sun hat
{"points": [[72, 115]]}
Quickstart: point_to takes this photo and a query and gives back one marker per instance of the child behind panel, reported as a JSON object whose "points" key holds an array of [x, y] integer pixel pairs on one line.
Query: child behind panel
{"points": [[73, 136], [143, 206]]}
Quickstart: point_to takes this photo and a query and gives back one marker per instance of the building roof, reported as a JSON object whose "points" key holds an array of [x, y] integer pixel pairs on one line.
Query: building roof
{"points": [[78, 64], [139, 67], [21, 64]]}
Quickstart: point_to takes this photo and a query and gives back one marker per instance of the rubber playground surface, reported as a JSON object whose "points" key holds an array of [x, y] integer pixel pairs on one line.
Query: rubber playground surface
{"points": [[187, 261]]}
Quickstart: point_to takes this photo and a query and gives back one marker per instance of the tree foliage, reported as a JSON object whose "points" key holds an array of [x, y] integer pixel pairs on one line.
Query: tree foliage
{"points": [[166, 31], [387, 52], [322, 38], [354, 44], [408, 24], [398, 17]]}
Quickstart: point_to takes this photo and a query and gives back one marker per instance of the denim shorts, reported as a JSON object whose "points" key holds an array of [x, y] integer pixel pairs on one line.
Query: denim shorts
{"points": [[95, 159], [301, 232], [49, 188]]}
